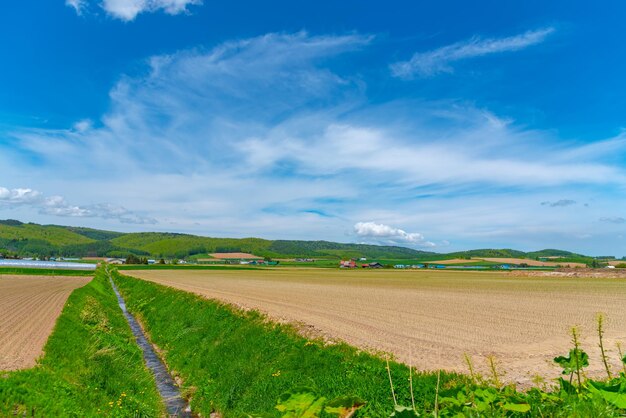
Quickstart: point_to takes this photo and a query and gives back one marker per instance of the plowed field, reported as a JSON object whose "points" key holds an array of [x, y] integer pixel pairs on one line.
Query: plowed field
{"points": [[429, 318], [29, 307]]}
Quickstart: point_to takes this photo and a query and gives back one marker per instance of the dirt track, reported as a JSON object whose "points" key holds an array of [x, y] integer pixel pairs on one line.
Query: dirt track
{"points": [[438, 316], [29, 307]]}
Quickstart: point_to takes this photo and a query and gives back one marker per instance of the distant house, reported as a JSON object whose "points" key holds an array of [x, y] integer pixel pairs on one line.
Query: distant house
{"points": [[349, 264], [115, 261], [362, 259], [375, 265]]}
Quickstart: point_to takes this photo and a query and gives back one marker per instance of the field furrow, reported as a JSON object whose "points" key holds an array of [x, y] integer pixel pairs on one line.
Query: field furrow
{"points": [[29, 307], [429, 318]]}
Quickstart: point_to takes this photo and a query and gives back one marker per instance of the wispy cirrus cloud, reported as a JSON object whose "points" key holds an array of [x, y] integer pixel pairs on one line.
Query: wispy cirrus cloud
{"points": [[78, 5], [372, 232], [127, 10], [267, 137], [559, 203], [430, 63], [613, 220], [58, 206]]}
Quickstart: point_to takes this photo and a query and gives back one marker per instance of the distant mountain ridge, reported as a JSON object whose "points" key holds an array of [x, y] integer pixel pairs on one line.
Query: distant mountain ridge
{"points": [[30, 239]]}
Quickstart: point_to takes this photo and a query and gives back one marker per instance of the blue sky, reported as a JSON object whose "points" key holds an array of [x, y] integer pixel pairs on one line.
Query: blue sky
{"points": [[436, 125]]}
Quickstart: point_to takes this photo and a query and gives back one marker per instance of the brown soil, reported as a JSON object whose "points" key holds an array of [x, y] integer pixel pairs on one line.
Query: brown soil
{"points": [[29, 307], [429, 318], [586, 273], [534, 263]]}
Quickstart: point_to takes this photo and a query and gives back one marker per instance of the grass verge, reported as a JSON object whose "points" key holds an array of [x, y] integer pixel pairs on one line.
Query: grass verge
{"points": [[238, 363], [91, 365]]}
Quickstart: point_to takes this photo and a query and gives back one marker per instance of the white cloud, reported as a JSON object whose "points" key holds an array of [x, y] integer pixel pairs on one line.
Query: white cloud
{"points": [[83, 125], [128, 10], [78, 5], [425, 64], [20, 196], [255, 136], [58, 206], [385, 234]]}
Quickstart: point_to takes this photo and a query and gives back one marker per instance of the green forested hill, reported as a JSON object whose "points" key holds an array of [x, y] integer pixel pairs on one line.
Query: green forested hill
{"points": [[56, 235], [52, 240], [553, 253], [490, 252], [17, 238]]}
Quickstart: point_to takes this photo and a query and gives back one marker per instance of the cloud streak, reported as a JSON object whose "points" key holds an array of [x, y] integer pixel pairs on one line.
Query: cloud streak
{"points": [[58, 206], [430, 63], [613, 220], [559, 203], [78, 5]]}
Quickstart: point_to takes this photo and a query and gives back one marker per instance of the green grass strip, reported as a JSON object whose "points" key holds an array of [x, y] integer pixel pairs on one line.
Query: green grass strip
{"points": [[91, 366], [238, 363]]}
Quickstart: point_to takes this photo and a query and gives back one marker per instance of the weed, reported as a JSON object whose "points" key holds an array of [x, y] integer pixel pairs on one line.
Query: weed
{"points": [[600, 320]]}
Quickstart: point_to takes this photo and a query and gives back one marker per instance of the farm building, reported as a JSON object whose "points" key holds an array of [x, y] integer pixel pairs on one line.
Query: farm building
{"points": [[372, 265], [261, 263], [409, 266], [350, 264]]}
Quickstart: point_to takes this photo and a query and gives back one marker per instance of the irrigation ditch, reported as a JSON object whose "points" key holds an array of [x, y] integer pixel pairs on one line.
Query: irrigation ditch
{"points": [[175, 404]]}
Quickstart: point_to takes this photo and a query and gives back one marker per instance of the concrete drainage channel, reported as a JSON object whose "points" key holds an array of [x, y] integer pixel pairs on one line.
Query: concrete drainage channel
{"points": [[170, 393]]}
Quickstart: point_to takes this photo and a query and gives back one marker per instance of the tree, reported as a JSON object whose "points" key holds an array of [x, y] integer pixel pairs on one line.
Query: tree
{"points": [[133, 259]]}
